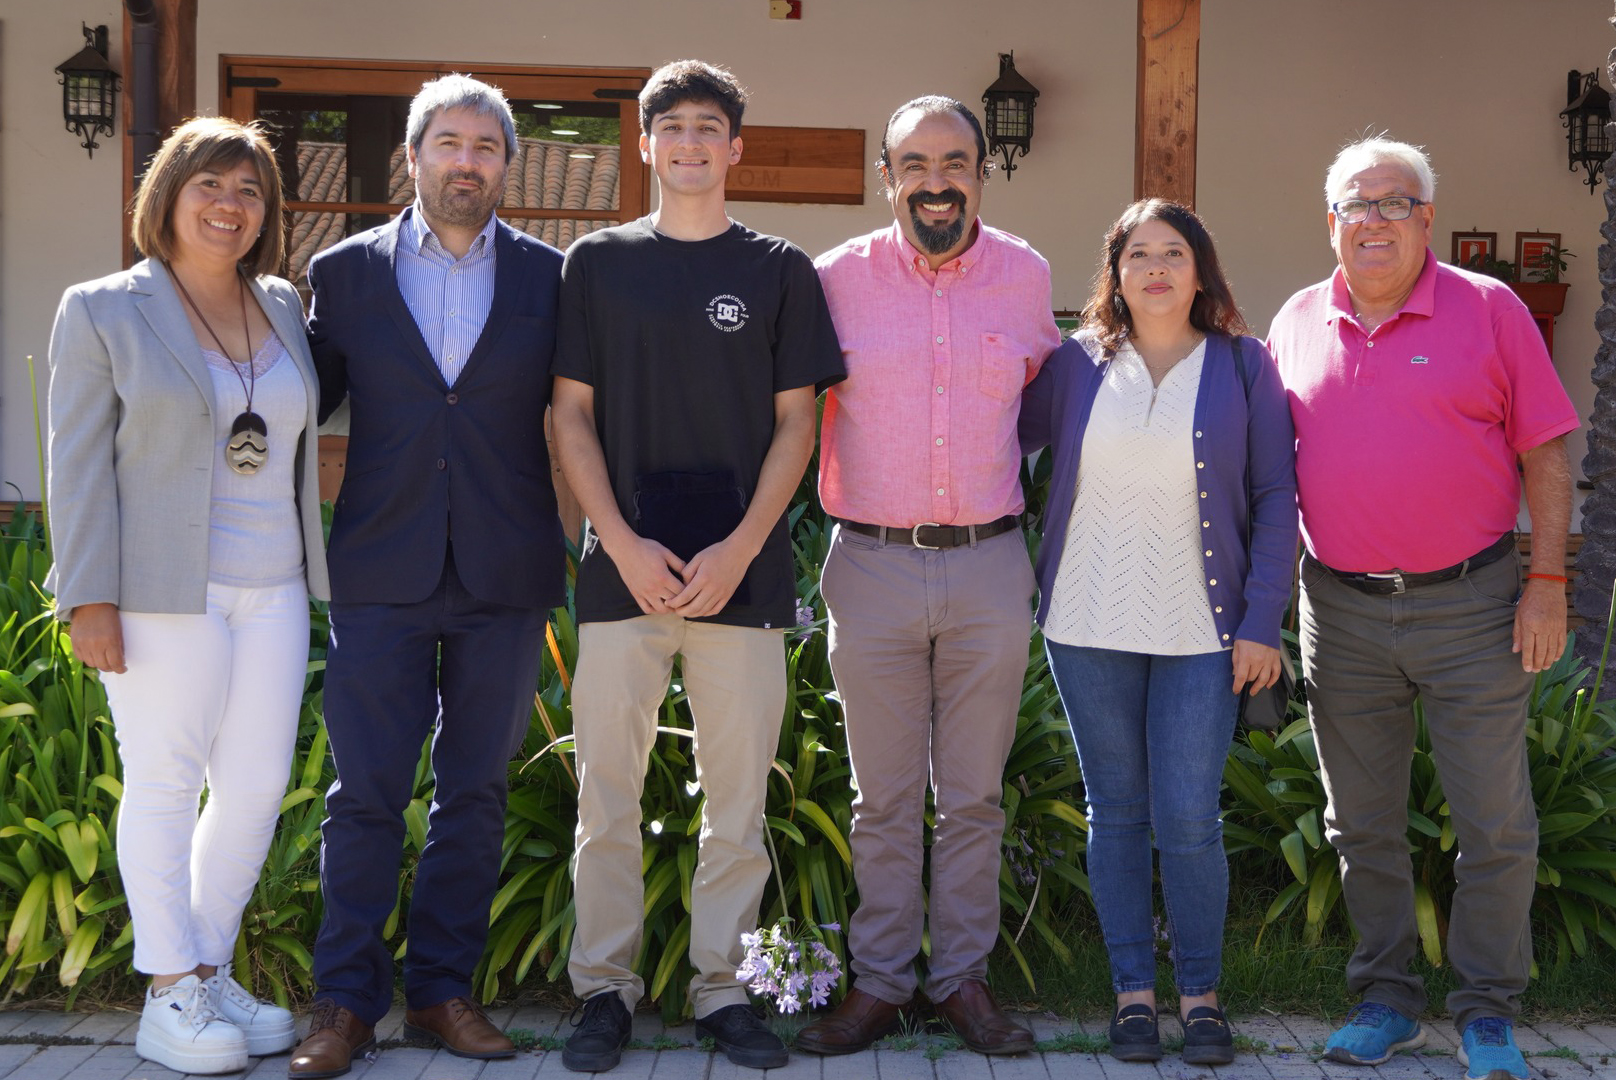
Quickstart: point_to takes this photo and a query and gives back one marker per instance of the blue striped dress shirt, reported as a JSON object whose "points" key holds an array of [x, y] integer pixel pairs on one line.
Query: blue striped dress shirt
{"points": [[448, 297]]}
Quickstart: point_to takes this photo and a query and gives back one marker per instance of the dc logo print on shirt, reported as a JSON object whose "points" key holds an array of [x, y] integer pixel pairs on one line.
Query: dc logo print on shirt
{"points": [[726, 312]]}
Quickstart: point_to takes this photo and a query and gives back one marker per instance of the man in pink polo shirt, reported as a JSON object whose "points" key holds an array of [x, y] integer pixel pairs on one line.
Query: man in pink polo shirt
{"points": [[1421, 395], [942, 321]]}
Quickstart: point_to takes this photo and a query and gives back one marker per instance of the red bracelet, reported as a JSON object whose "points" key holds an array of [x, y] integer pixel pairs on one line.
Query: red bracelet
{"points": [[1547, 577]]}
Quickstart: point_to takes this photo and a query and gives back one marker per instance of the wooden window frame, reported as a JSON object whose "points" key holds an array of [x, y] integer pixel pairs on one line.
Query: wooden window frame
{"points": [[242, 77]]}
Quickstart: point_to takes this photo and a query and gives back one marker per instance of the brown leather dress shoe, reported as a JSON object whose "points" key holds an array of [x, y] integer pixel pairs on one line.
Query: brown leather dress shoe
{"points": [[460, 1026], [853, 1025], [977, 1019], [336, 1036]]}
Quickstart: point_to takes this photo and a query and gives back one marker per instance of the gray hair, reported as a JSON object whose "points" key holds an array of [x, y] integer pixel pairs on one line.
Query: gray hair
{"points": [[459, 92], [1357, 156]]}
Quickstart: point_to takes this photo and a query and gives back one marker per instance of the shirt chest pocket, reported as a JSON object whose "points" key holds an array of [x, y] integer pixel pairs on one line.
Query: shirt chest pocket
{"points": [[1003, 368]]}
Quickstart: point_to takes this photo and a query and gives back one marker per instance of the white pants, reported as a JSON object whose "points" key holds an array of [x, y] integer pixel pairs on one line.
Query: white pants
{"points": [[208, 700]]}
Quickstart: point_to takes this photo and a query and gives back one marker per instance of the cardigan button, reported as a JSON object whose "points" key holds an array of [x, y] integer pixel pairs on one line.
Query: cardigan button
{"points": [[1218, 610], [1213, 581], [1225, 637]]}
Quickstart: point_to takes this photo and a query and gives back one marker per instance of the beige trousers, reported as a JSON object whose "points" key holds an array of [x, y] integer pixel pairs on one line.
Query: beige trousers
{"points": [[735, 676]]}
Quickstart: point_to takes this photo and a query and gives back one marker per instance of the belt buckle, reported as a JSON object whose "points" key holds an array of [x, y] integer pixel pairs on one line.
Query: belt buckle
{"points": [[914, 535], [1395, 577]]}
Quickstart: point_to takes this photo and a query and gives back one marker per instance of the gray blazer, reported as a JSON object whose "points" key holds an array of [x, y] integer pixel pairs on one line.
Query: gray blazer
{"points": [[130, 465]]}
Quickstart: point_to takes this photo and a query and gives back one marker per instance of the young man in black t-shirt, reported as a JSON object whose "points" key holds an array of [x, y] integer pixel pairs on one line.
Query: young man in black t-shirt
{"points": [[689, 352]]}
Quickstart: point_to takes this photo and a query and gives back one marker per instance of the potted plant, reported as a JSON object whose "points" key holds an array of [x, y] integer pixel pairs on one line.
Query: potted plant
{"points": [[1540, 287], [1502, 269]]}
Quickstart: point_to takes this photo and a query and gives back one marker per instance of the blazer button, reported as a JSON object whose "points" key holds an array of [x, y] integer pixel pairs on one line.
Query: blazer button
{"points": [[453, 398], [442, 464]]}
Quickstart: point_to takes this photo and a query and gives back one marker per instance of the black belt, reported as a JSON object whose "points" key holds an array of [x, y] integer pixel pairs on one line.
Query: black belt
{"points": [[1393, 582], [930, 536]]}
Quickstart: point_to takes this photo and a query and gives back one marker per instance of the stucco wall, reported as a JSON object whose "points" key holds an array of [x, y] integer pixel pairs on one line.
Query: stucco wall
{"points": [[59, 216], [1281, 88]]}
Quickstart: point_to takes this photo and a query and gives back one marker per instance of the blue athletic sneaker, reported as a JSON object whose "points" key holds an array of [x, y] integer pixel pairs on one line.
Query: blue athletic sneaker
{"points": [[1371, 1034], [1488, 1051]]}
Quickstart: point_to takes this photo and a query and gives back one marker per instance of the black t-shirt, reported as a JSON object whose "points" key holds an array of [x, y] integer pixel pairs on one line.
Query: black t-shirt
{"points": [[685, 344]]}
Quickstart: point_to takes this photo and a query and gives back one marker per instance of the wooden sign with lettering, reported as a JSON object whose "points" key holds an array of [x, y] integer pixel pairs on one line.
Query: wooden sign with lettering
{"points": [[800, 165]]}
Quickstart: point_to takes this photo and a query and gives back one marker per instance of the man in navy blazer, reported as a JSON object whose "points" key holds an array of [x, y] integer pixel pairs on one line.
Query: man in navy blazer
{"points": [[446, 554]]}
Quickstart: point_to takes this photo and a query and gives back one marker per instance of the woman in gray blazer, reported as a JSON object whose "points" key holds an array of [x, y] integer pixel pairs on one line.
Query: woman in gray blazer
{"points": [[185, 515]]}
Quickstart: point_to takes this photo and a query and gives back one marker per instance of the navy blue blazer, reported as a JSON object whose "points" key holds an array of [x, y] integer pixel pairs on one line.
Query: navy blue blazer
{"points": [[431, 465], [1250, 551]]}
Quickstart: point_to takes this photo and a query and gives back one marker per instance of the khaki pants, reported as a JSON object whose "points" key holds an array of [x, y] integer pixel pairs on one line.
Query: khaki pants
{"points": [[735, 677], [1366, 658]]}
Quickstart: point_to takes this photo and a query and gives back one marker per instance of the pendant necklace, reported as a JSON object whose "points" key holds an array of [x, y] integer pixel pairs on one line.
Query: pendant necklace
{"points": [[248, 447]]}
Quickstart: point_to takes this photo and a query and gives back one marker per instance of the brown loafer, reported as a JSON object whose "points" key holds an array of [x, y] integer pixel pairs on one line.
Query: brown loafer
{"points": [[854, 1024], [460, 1026], [336, 1036], [979, 1022]]}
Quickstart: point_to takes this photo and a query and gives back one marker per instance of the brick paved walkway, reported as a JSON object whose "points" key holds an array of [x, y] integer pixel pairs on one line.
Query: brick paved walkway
{"points": [[100, 1046]]}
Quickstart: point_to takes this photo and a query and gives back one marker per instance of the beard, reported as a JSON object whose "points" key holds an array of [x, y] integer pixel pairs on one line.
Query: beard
{"points": [[462, 210], [936, 239]]}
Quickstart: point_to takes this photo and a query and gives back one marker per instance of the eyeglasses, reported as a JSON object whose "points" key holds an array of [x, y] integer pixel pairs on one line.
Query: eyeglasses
{"points": [[1392, 208]]}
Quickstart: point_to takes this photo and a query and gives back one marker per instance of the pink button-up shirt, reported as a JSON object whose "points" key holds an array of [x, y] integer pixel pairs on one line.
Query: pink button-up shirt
{"points": [[924, 427]]}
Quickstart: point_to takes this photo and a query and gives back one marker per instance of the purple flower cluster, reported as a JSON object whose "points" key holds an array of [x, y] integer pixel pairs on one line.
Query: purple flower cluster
{"points": [[785, 966]]}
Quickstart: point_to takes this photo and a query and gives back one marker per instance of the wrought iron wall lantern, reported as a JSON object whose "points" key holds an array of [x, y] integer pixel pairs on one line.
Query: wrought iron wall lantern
{"points": [[1008, 110], [1586, 113], [89, 89]]}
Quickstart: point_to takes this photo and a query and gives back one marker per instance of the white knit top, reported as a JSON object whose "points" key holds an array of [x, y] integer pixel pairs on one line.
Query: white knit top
{"points": [[1130, 576], [255, 538]]}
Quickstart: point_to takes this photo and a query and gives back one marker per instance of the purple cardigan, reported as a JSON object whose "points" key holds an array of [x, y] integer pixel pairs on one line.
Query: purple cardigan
{"points": [[1233, 424]]}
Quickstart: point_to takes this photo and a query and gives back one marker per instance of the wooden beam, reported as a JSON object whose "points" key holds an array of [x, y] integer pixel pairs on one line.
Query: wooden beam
{"points": [[176, 88], [1165, 100]]}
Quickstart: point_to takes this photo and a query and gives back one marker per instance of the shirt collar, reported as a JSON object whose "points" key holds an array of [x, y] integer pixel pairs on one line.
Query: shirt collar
{"points": [[414, 232], [915, 259], [1421, 299]]}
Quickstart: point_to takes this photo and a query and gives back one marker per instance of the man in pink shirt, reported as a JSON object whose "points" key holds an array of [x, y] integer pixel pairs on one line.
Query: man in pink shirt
{"points": [[942, 321], [1421, 395]]}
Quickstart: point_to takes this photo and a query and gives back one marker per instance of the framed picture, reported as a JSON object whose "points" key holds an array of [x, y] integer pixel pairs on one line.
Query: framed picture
{"points": [[1470, 245], [1532, 251]]}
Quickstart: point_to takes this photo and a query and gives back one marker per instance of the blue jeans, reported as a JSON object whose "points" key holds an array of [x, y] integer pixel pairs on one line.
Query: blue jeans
{"points": [[1152, 733]]}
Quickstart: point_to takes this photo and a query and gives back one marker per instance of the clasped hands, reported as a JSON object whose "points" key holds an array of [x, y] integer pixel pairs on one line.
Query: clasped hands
{"points": [[664, 584]]}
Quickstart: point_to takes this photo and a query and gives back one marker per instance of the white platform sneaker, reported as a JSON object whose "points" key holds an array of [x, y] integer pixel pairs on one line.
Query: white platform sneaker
{"points": [[269, 1029], [180, 1030]]}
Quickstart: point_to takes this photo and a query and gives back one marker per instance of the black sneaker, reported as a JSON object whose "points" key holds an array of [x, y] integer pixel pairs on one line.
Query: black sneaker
{"points": [[744, 1038], [1134, 1035], [603, 1030], [1208, 1038]]}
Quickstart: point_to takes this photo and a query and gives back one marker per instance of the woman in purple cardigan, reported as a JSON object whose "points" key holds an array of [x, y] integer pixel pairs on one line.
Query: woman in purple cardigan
{"points": [[1161, 591]]}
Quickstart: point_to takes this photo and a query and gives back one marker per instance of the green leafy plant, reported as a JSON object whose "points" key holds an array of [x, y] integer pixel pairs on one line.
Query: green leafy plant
{"points": [[1502, 269], [1548, 266]]}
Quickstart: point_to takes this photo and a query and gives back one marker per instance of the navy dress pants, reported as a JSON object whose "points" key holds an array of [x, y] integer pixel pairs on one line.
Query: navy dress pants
{"points": [[464, 671]]}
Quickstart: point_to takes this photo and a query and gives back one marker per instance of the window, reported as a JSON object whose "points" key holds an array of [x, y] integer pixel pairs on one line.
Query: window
{"points": [[339, 138]]}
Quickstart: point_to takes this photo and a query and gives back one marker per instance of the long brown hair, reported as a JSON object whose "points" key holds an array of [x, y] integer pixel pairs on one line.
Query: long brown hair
{"points": [[213, 143], [1213, 311]]}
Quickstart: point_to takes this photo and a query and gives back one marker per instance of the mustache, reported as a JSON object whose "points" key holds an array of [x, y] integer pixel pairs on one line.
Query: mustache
{"points": [[949, 196], [468, 177]]}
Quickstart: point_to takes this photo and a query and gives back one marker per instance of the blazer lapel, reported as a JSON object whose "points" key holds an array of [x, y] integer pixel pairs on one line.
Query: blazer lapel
{"points": [[510, 277], [159, 303], [289, 328], [386, 250]]}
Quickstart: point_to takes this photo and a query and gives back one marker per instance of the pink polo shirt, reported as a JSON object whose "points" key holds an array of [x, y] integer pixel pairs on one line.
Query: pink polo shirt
{"points": [[924, 427], [1407, 438]]}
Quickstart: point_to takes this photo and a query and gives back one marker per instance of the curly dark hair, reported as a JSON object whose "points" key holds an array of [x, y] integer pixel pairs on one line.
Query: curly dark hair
{"points": [[1214, 310], [692, 80]]}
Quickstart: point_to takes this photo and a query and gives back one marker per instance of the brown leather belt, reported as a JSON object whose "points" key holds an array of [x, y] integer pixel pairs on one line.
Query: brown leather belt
{"points": [[930, 536], [1393, 582]]}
